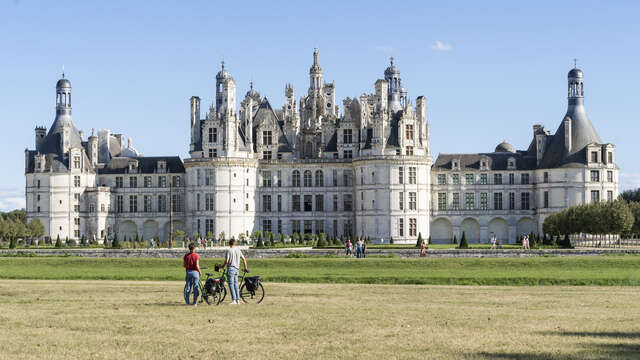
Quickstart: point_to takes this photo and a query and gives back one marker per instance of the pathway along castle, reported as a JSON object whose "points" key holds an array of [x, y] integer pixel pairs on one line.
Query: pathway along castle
{"points": [[312, 166]]}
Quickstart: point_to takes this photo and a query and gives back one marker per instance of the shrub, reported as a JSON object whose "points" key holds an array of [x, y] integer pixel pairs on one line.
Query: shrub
{"points": [[429, 240], [12, 243], [83, 240], [271, 242], [391, 240], [259, 244], [70, 242], [455, 240], [115, 243], [463, 241], [420, 240], [58, 242]]}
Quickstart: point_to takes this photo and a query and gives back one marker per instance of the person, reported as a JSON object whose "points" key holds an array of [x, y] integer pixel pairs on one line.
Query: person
{"points": [[364, 249], [191, 263], [493, 241], [423, 249], [232, 260], [348, 246], [358, 249]]}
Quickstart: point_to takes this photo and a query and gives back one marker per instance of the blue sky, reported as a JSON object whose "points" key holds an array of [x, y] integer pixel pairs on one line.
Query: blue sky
{"points": [[490, 70]]}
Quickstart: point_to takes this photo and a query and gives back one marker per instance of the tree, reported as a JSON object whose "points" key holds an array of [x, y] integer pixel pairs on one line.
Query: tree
{"points": [[429, 241], [391, 240], [115, 243], [631, 195], [463, 241], [260, 244], [420, 240], [271, 239], [58, 242], [281, 238], [179, 235], [635, 210], [105, 241], [83, 240], [35, 228], [455, 240]]}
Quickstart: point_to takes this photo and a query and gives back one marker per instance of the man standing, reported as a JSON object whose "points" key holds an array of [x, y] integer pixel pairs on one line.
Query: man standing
{"points": [[232, 260], [191, 262]]}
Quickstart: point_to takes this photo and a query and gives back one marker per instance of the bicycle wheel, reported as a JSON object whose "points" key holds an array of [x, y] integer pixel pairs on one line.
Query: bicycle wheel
{"points": [[253, 297], [222, 294], [212, 298]]}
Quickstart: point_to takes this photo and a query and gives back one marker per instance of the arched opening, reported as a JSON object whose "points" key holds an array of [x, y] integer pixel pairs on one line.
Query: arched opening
{"points": [[149, 229], [471, 228], [177, 225], [127, 229], [307, 178], [295, 178], [525, 226], [319, 178], [441, 231], [500, 229]]}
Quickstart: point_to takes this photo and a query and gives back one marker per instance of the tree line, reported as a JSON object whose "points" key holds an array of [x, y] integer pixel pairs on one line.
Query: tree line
{"points": [[600, 218], [14, 226]]}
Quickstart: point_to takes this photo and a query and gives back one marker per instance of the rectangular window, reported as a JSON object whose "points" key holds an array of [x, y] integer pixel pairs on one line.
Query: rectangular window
{"points": [[319, 202], [524, 200], [594, 156], [483, 179], [266, 203], [279, 180], [412, 201], [609, 195], [176, 202], [133, 203], [412, 175], [335, 177], [409, 150], [401, 227], [497, 201], [162, 181], [335, 202], [319, 226], [442, 179], [133, 182], [609, 157], [76, 181], [266, 137], [208, 227], [147, 181], [208, 177], [213, 153], [147, 203], [468, 179], [76, 208], [455, 179], [266, 179], [609, 176], [545, 176], [162, 203], [442, 201], [413, 228], [469, 203], [279, 226], [308, 226], [279, 203], [76, 162], [595, 175], [595, 196], [512, 201], [348, 154], [512, 179], [484, 201], [409, 131], [213, 135], [401, 200], [347, 177], [546, 200], [347, 202], [295, 202], [497, 179], [347, 136], [266, 155], [208, 202], [524, 179], [295, 226], [308, 202], [198, 201], [176, 181], [348, 228], [266, 225], [76, 197], [38, 184], [401, 175], [455, 201], [335, 227]]}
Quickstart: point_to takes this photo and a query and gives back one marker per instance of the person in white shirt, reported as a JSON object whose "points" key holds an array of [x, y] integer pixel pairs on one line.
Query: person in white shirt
{"points": [[232, 261]]}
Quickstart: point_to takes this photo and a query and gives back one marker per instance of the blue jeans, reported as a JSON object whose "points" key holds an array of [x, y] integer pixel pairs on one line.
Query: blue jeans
{"points": [[232, 279], [191, 279]]}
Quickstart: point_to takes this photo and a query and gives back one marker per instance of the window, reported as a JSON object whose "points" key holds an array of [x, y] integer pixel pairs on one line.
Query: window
{"points": [[162, 181], [279, 226], [412, 201], [319, 178], [213, 135], [266, 179], [545, 178], [409, 131], [524, 201], [147, 181], [208, 226], [279, 178], [295, 226], [401, 175], [335, 227], [38, 184], [266, 137], [308, 226], [319, 202], [295, 202], [295, 178], [335, 177], [595, 196], [595, 175], [484, 201], [176, 202], [469, 201], [347, 202], [133, 203], [609, 157], [524, 179], [76, 208], [398, 152], [401, 227], [468, 179], [413, 228], [38, 208], [401, 200], [609, 176], [512, 201], [213, 153], [162, 203], [442, 179], [38, 197], [483, 179], [76, 162], [347, 136], [176, 181], [279, 203], [266, 225], [455, 203], [442, 201], [76, 197], [266, 203], [594, 156], [497, 201], [409, 150], [279, 156], [307, 178], [347, 177], [308, 203], [512, 179], [348, 154], [497, 179], [319, 226], [455, 179], [208, 202], [76, 181], [546, 199], [133, 182], [412, 175], [266, 155], [609, 195], [102, 207], [198, 201], [208, 177]]}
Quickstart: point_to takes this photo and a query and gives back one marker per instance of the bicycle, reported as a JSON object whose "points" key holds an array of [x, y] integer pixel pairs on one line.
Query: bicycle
{"points": [[251, 289], [212, 290]]}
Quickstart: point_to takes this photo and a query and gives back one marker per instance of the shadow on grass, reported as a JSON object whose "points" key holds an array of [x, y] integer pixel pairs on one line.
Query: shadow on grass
{"points": [[168, 304], [589, 351]]}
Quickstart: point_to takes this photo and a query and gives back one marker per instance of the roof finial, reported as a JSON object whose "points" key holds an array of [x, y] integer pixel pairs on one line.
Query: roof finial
{"points": [[391, 58], [222, 61], [63, 71], [251, 84], [315, 56], [575, 63]]}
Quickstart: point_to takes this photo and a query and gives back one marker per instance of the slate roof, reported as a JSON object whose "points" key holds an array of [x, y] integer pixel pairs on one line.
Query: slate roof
{"points": [[146, 165], [495, 161], [332, 144], [265, 112]]}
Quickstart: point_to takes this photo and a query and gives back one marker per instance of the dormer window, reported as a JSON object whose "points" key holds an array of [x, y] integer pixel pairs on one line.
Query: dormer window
{"points": [[511, 163]]}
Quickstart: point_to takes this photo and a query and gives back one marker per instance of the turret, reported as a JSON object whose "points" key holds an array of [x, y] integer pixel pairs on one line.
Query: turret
{"points": [[194, 103], [92, 149], [41, 132], [396, 93], [315, 74], [225, 93]]}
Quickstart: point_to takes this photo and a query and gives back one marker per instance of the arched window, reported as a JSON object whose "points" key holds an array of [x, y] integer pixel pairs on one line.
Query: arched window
{"points": [[319, 178], [295, 178], [307, 178]]}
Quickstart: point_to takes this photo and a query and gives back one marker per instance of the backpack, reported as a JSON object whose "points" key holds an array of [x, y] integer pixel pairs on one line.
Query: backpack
{"points": [[252, 283], [210, 286]]}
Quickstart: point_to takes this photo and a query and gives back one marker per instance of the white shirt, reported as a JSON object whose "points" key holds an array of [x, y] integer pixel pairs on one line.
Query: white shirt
{"points": [[233, 256]]}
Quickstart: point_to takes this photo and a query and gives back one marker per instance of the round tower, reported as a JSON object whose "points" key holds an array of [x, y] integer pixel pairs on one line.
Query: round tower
{"points": [[315, 73], [63, 96]]}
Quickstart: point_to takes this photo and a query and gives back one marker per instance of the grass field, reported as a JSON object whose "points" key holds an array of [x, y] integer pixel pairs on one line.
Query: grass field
{"points": [[146, 320], [602, 270]]}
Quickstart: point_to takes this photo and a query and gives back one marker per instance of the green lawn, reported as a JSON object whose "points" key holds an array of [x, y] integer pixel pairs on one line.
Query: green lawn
{"points": [[603, 270]]}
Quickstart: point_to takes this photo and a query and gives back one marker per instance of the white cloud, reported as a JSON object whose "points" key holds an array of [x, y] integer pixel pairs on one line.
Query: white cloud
{"points": [[11, 199], [441, 46], [384, 49], [629, 181]]}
